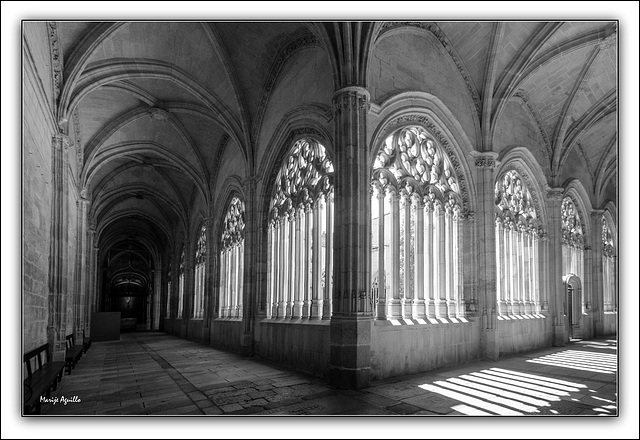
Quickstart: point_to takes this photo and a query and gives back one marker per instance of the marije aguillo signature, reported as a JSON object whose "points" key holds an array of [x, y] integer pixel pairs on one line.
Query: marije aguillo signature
{"points": [[61, 399]]}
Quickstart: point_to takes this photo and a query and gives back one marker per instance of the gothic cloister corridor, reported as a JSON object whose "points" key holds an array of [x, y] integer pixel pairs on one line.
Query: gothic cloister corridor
{"points": [[357, 224]]}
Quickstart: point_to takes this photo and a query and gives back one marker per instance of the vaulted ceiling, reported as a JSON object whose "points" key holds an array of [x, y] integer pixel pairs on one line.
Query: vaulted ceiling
{"points": [[153, 105]]}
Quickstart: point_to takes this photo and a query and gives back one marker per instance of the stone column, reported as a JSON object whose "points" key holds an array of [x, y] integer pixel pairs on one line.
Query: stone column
{"points": [[308, 239], [394, 298], [250, 267], [596, 269], [554, 265], [81, 269], [486, 253], [58, 253], [381, 305], [89, 286], [418, 309], [351, 322]]}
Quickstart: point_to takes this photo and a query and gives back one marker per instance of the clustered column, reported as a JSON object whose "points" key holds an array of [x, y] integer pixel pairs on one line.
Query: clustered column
{"points": [[58, 255]]}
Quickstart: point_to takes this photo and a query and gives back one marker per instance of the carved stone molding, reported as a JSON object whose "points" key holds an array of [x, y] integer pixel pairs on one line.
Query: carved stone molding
{"points": [[351, 97], [435, 30], [78, 140], [298, 44], [485, 160], [158, 114], [56, 58], [216, 163], [524, 96], [555, 194]]}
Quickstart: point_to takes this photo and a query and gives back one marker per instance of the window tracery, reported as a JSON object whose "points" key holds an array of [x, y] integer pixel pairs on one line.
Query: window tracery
{"points": [[300, 236], [416, 206], [232, 260], [517, 233], [571, 224], [199, 275]]}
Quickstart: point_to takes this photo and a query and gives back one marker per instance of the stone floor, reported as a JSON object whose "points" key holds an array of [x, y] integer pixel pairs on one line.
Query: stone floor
{"points": [[159, 374]]}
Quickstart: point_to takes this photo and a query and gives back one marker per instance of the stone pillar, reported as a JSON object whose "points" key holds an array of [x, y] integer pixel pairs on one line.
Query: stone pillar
{"points": [[81, 269], [596, 269], [394, 299], [381, 305], [486, 253], [252, 233], [89, 286], [554, 265], [351, 322], [58, 254]]}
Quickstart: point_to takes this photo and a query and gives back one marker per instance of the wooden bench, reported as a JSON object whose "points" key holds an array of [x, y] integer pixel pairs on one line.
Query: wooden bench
{"points": [[74, 353], [41, 377], [86, 342]]}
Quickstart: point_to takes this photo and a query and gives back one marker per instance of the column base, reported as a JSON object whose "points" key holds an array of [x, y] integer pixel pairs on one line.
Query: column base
{"points": [[316, 309], [350, 352], [395, 309], [419, 309], [490, 344], [246, 348], [381, 309], [559, 336], [350, 379]]}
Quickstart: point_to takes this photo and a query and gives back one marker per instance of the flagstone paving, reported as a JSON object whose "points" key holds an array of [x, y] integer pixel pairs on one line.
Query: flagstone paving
{"points": [[154, 373]]}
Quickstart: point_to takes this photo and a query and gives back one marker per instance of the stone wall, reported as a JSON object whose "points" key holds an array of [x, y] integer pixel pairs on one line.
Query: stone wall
{"points": [[303, 346], [36, 186], [226, 334], [519, 334], [405, 349]]}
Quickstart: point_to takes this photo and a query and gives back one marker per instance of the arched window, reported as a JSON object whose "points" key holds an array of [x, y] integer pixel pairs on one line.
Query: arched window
{"points": [[608, 268], [416, 234], [232, 261], [180, 285], [169, 272], [300, 235], [517, 259], [199, 275]]}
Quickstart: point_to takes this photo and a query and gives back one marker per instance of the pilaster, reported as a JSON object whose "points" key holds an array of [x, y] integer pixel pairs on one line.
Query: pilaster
{"points": [[58, 255], [554, 265], [250, 272], [596, 269], [351, 322]]}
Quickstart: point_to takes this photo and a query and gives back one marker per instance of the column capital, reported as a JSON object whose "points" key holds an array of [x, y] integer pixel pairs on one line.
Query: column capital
{"points": [[61, 141], [349, 97], [555, 193], [249, 182], [596, 214], [485, 159]]}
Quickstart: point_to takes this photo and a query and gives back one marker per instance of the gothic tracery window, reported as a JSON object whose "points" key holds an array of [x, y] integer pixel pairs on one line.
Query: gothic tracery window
{"points": [[415, 210], [181, 285], [232, 261], [199, 276], [300, 235], [517, 233], [608, 268]]}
